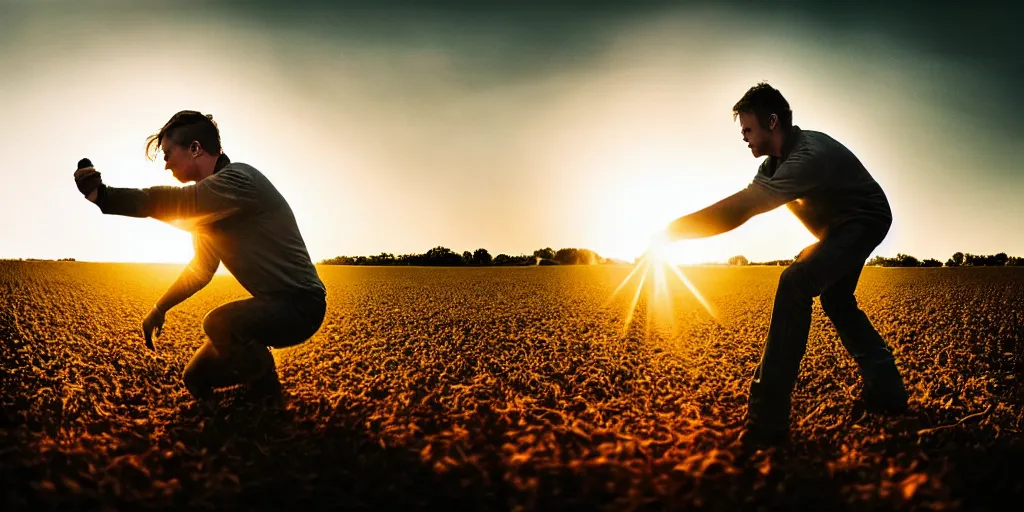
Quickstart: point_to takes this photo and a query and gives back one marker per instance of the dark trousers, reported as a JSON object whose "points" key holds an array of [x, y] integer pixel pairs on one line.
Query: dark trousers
{"points": [[239, 334], [831, 269]]}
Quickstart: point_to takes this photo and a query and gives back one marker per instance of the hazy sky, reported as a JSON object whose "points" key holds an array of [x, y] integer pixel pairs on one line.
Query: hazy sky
{"points": [[396, 127]]}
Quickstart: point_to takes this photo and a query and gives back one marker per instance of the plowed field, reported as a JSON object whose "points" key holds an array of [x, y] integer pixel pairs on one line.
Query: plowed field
{"points": [[505, 388]]}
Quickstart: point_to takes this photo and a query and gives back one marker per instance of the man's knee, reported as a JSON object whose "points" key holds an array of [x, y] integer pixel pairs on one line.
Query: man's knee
{"points": [[191, 376], [217, 327], [196, 381], [837, 304], [795, 279]]}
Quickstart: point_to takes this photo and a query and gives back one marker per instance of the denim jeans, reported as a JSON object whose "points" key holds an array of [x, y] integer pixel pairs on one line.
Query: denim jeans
{"points": [[238, 334], [831, 269]]}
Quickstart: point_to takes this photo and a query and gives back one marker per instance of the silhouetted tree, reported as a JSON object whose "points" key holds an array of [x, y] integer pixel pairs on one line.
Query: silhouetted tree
{"points": [[481, 257], [958, 259], [546, 253], [931, 262], [383, 258], [739, 261], [906, 260], [901, 260], [443, 256], [992, 260], [573, 256]]}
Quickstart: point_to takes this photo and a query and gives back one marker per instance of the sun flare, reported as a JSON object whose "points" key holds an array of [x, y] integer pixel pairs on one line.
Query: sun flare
{"points": [[650, 269]]}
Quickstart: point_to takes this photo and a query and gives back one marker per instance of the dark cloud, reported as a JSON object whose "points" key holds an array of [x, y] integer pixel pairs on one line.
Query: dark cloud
{"points": [[985, 31], [975, 29], [501, 41], [485, 45], [980, 35]]}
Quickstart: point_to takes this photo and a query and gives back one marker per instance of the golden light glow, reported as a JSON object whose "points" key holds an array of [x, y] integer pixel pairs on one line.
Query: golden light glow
{"points": [[147, 241], [659, 294]]}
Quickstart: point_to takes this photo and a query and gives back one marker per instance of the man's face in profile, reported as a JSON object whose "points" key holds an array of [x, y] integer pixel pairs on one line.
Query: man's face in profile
{"points": [[176, 160], [758, 138]]}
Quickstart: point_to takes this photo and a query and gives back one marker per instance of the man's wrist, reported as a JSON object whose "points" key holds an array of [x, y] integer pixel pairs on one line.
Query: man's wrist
{"points": [[157, 307], [95, 195], [681, 229]]}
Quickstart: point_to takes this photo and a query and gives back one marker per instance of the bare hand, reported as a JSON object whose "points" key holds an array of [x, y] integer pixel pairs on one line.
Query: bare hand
{"points": [[88, 181], [154, 322]]}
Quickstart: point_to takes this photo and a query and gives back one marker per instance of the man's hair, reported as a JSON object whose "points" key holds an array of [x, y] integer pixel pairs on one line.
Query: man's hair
{"points": [[763, 100], [183, 128]]}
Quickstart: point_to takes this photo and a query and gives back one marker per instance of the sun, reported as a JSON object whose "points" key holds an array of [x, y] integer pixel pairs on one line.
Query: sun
{"points": [[629, 235], [645, 189]]}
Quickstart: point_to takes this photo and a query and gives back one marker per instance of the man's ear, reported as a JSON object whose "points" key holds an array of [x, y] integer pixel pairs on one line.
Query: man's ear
{"points": [[773, 121]]}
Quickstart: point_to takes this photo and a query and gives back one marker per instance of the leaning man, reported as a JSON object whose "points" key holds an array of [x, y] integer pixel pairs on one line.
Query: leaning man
{"points": [[830, 191]]}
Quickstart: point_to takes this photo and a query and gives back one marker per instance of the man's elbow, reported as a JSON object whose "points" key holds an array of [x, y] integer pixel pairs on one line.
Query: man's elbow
{"points": [[205, 279], [200, 277]]}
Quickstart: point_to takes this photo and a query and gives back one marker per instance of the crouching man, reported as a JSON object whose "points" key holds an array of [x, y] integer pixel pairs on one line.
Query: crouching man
{"points": [[237, 217]]}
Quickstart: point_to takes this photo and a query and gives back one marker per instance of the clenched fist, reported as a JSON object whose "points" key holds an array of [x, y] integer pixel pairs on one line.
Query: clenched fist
{"points": [[88, 180]]}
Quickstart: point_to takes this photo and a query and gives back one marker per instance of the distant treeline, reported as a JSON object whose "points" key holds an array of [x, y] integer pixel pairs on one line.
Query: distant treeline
{"points": [[742, 261], [445, 257], [36, 259], [958, 259], [905, 260]]}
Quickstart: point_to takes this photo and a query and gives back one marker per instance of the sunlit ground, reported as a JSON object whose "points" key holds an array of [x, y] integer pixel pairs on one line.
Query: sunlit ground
{"points": [[498, 388]]}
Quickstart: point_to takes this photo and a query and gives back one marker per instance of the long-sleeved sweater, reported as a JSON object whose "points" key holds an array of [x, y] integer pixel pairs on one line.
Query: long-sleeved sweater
{"points": [[236, 216]]}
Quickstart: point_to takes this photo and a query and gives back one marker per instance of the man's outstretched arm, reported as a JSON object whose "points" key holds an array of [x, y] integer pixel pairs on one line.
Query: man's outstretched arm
{"points": [[215, 198], [723, 216], [797, 177], [190, 281]]}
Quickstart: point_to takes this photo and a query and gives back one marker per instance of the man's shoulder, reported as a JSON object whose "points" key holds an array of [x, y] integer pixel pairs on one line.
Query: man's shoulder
{"points": [[240, 173], [248, 181], [826, 155], [817, 142], [240, 168]]}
